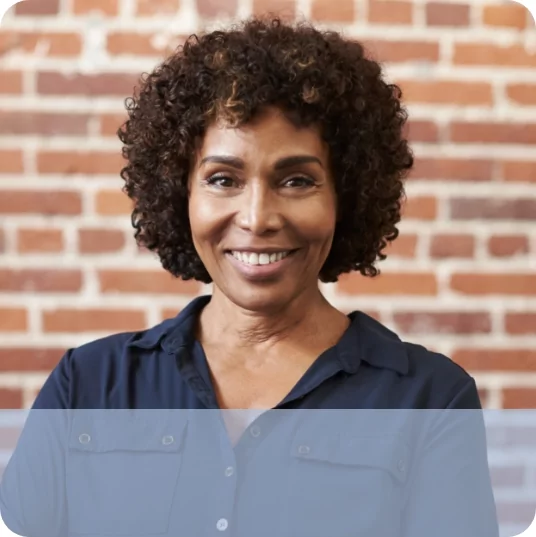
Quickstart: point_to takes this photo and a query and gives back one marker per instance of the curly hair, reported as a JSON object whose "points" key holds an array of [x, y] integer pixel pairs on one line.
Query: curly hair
{"points": [[315, 77]]}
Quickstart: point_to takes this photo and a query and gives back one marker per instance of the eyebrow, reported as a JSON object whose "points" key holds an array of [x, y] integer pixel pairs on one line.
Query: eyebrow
{"points": [[282, 163]]}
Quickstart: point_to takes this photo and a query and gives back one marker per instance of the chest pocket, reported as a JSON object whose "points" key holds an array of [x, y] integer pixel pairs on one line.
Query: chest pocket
{"points": [[346, 484], [121, 471]]}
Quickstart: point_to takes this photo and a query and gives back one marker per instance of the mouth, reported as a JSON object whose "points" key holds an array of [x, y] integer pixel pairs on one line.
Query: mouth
{"points": [[261, 265], [260, 258]]}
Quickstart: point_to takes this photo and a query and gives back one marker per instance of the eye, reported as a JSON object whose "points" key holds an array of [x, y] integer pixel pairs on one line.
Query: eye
{"points": [[220, 181], [299, 181]]}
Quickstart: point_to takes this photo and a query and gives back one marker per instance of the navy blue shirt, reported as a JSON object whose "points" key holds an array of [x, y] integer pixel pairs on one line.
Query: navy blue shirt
{"points": [[379, 438], [165, 367]]}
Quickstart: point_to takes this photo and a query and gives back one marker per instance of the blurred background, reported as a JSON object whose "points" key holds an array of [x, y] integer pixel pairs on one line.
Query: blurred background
{"points": [[461, 278]]}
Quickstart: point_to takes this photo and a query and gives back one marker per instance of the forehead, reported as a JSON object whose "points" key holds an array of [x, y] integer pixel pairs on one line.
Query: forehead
{"points": [[270, 132]]}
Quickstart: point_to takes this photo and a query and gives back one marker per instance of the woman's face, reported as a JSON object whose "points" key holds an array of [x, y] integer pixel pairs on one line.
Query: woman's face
{"points": [[262, 210]]}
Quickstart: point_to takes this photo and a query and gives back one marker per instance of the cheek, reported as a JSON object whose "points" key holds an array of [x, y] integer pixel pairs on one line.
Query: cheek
{"points": [[201, 215], [319, 225]]}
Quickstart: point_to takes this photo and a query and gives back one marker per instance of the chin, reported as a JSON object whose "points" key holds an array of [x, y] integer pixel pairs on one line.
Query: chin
{"points": [[257, 299]]}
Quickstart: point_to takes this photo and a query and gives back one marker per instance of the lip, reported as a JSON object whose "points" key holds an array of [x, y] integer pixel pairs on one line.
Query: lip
{"points": [[261, 272]]}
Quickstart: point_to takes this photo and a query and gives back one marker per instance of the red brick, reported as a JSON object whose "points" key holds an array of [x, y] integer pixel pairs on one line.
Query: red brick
{"points": [[39, 240], [103, 7], [493, 132], [119, 43], [483, 395], [492, 359], [519, 398], [80, 162], [49, 202], [11, 161], [452, 169], [508, 245], [516, 511], [37, 7], [113, 84], [419, 284], [13, 320], [520, 323], [420, 208], [340, 11], [403, 246], [212, 9], [443, 322], [285, 9], [40, 281], [524, 94], [509, 284], [520, 171], [145, 281], [493, 209], [112, 203], [421, 131], [93, 320], [447, 92], [452, 246], [11, 398], [169, 313], [162, 7], [447, 14], [11, 82], [392, 51], [390, 12], [29, 359], [492, 54], [510, 15], [51, 44], [110, 124], [44, 123], [9, 437], [507, 476], [99, 241]]}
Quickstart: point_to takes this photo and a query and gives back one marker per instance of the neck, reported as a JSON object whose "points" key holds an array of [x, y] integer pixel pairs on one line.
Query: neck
{"points": [[304, 319]]}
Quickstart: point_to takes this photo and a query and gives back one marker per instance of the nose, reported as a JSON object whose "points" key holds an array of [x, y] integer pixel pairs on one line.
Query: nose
{"points": [[260, 210]]}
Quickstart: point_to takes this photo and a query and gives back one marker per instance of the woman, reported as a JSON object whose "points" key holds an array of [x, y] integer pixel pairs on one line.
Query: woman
{"points": [[262, 159]]}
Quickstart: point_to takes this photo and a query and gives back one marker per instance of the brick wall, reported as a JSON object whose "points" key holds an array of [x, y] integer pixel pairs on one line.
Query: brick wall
{"points": [[461, 279]]}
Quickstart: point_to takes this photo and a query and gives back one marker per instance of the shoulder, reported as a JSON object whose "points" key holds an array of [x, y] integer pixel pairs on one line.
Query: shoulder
{"points": [[99, 372], [86, 374], [441, 375], [434, 378]]}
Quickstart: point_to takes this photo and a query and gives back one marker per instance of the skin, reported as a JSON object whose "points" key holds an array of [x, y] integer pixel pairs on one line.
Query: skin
{"points": [[260, 336]]}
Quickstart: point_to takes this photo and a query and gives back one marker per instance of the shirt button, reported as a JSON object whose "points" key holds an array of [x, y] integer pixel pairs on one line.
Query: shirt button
{"points": [[222, 524], [401, 465], [229, 471], [304, 450], [255, 431], [167, 440], [84, 438]]}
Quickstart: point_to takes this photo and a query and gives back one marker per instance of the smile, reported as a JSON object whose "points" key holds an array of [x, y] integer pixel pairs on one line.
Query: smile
{"points": [[253, 258]]}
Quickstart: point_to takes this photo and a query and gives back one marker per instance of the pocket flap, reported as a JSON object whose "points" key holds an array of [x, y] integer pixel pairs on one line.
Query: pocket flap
{"points": [[127, 430], [387, 452]]}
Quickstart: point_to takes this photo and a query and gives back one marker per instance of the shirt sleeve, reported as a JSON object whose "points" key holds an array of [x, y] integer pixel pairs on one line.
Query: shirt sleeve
{"points": [[450, 491], [32, 490]]}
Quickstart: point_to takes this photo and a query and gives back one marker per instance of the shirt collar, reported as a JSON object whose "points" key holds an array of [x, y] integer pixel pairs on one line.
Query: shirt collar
{"points": [[364, 340], [172, 333], [370, 341]]}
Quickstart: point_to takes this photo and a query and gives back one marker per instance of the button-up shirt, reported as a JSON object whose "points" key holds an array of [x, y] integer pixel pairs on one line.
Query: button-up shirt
{"points": [[379, 438]]}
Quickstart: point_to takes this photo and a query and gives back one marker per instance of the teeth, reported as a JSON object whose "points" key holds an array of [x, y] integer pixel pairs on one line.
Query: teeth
{"points": [[258, 259]]}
